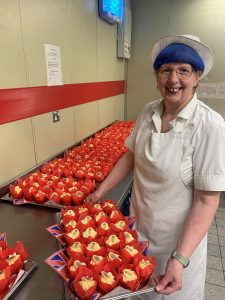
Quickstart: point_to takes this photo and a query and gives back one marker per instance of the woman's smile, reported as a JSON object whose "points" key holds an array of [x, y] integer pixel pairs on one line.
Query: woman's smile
{"points": [[174, 90], [176, 83]]}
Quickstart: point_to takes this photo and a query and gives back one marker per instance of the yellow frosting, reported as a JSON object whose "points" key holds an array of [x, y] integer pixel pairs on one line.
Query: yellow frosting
{"points": [[82, 209], [99, 215], [105, 226], [71, 223], [36, 184], [65, 194], [73, 234], [2, 274], [112, 239], [131, 250], [17, 189], [96, 259], [113, 255], [144, 263], [98, 206], [76, 264], [89, 232], [129, 275], [44, 175], [93, 246], [107, 277], [70, 212], [129, 238], [108, 204], [86, 220], [76, 247], [86, 283], [120, 224], [12, 258], [113, 213]]}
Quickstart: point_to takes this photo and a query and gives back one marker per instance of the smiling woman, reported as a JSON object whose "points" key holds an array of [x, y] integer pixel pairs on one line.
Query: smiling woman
{"points": [[177, 83], [178, 171]]}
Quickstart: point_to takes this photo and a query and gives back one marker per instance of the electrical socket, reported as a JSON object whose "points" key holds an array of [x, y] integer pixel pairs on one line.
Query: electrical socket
{"points": [[56, 116]]}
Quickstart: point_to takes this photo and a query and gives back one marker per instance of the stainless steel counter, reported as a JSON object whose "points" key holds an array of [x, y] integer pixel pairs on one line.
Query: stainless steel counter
{"points": [[28, 223]]}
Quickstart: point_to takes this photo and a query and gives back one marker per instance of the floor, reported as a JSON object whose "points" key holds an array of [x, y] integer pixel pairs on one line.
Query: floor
{"points": [[215, 275]]}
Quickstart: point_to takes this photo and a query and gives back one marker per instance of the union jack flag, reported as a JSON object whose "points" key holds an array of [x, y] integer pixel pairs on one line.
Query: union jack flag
{"points": [[19, 201], [57, 231], [58, 261], [144, 247], [3, 237], [95, 297], [131, 221]]}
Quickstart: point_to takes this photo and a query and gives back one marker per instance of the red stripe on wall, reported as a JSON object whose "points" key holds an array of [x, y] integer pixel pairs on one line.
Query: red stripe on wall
{"points": [[20, 103]]}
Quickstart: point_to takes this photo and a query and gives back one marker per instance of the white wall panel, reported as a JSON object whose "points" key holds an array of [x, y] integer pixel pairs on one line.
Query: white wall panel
{"points": [[109, 66], [86, 120], [150, 20], [17, 149], [119, 105], [194, 17], [106, 111], [218, 72], [52, 138], [45, 22], [218, 105], [12, 70], [82, 31]]}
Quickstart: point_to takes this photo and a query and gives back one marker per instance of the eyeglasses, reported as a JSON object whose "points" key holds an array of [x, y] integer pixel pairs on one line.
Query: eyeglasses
{"points": [[182, 72]]}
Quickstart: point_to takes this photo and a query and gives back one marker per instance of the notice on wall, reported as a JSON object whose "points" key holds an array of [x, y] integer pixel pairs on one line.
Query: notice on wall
{"points": [[211, 90], [53, 65]]}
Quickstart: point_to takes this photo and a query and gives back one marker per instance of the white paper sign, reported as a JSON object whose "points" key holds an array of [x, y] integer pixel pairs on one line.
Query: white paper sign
{"points": [[211, 90], [53, 64]]}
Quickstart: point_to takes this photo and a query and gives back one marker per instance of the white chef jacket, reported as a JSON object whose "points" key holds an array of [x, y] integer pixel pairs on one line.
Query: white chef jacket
{"points": [[168, 167]]}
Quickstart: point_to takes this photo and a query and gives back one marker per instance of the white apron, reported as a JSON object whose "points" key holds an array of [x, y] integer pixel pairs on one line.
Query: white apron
{"points": [[161, 202]]}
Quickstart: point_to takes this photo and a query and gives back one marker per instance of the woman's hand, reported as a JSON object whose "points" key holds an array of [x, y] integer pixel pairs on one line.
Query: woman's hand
{"points": [[94, 197], [123, 166], [171, 281]]}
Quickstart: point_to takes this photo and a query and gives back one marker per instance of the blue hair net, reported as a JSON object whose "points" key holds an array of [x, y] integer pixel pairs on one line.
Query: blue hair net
{"points": [[178, 52]]}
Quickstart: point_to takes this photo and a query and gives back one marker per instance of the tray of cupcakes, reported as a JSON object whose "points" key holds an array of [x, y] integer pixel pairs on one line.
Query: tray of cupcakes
{"points": [[14, 266], [67, 179], [101, 256]]}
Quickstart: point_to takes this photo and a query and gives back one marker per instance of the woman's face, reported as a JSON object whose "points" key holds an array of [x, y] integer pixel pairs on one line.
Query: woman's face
{"points": [[176, 82]]}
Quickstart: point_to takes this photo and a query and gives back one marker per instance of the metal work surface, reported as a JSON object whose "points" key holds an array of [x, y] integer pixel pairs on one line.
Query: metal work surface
{"points": [[28, 223]]}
